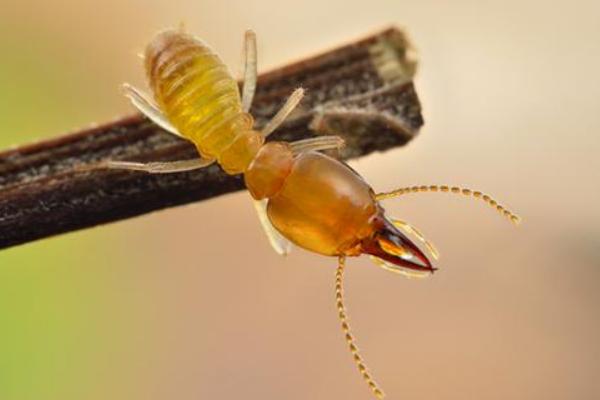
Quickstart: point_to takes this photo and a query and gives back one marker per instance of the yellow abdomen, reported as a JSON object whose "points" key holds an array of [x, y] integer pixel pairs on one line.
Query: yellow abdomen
{"points": [[198, 95]]}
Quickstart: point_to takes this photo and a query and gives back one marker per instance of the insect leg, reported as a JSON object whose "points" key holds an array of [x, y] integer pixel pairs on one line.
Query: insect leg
{"points": [[342, 315], [280, 244], [412, 230], [148, 108], [283, 113], [317, 143], [158, 167], [249, 69], [455, 190]]}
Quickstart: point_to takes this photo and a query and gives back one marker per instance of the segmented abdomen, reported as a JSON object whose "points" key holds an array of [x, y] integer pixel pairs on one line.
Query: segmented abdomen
{"points": [[196, 92]]}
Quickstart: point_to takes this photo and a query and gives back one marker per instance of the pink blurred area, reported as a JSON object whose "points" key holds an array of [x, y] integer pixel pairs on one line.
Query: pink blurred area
{"points": [[511, 100]]}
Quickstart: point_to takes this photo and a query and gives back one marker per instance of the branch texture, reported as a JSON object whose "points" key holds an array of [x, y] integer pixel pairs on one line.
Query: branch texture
{"points": [[362, 91]]}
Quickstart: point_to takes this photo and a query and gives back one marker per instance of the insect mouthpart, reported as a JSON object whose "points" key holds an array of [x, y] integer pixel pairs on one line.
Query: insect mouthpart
{"points": [[393, 251]]}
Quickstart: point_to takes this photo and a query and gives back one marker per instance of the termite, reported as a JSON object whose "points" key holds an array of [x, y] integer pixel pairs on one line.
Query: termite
{"points": [[302, 196]]}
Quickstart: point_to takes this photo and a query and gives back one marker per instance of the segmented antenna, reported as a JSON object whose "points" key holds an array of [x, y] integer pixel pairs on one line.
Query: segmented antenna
{"points": [[515, 219], [339, 297]]}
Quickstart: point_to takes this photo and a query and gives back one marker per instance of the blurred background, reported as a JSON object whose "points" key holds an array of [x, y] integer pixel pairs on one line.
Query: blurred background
{"points": [[192, 303]]}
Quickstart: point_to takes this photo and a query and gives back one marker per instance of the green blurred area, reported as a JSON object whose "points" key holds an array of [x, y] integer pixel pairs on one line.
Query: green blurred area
{"points": [[52, 296]]}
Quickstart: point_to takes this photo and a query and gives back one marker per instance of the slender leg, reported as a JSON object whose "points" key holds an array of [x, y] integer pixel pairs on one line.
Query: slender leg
{"points": [[148, 108], [158, 167], [280, 244], [317, 143], [342, 314], [408, 228], [250, 70], [283, 113], [455, 190]]}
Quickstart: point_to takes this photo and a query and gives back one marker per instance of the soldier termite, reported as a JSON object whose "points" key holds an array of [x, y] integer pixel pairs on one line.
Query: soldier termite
{"points": [[301, 195]]}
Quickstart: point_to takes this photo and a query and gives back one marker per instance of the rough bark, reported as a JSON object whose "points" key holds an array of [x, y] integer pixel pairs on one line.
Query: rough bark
{"points": [[362, 91]]}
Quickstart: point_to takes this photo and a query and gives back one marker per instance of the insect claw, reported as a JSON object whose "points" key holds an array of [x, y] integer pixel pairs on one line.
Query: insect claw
{"points": [[395, 252]]}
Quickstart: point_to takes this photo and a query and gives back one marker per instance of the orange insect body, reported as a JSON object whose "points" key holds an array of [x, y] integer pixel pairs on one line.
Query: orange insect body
{"points": [[323, 206], [312, 200], [328, 213]]}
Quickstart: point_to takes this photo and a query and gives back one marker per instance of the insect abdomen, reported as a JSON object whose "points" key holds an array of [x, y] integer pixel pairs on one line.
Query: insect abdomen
{"points": [[200, 98]]}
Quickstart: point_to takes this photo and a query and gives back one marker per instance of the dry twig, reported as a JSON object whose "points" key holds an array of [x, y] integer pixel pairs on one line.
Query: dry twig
{"points": [[362, 91]]}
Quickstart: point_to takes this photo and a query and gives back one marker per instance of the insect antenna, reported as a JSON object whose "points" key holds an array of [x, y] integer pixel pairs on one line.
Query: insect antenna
{"points": [[339, 297], [515, 219]]}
